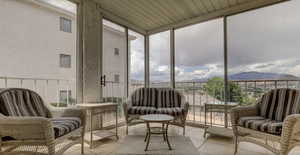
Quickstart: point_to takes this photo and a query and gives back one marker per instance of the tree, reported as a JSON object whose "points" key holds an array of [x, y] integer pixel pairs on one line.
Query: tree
{"points": [[215, 87]]}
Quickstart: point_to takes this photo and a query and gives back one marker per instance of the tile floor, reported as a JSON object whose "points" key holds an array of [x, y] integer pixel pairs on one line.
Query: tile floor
{"points": [[212, 146]]}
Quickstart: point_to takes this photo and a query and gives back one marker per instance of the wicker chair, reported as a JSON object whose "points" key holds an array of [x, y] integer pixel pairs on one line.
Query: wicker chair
{"points": [[156, 101], [27, 125], [274, 119]]}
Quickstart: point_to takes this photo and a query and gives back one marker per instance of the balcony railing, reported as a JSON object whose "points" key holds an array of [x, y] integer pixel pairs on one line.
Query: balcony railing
{"points": [[49, 89], [194, 92]]}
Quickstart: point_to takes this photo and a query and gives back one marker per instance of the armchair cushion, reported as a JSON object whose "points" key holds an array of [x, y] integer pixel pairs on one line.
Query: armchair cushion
{"points": [[22, 102], [261, 124], [168, 98], [145, 97], [65, 125], [279, 103], [141, 110], [171, 111]]}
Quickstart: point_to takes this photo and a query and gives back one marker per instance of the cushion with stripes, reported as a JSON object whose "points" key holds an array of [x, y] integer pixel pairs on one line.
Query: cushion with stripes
{"points": [[261, 124], [279, 103], [171, 111], [65, 125], [140, 110], [146, 97], [168, 98], [22, 102]]}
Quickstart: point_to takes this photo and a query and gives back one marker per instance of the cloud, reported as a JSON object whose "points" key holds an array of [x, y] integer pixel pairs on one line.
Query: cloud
{"points": [[264, 40]]}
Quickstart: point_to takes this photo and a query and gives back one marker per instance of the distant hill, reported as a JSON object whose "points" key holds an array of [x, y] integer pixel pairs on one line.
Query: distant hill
{"points": [[262, 76]]}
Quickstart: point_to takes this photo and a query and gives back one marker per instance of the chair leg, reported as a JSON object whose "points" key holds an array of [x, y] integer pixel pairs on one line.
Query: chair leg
{"points": [[82, 142], [51, 149], [126, 129], [183, 131], [236, 145]]}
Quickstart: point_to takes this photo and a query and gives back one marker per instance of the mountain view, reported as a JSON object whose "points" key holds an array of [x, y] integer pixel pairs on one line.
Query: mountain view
{"points": [[262, 76]]}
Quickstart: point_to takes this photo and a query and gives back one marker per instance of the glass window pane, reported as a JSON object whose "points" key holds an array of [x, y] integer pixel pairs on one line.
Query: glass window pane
{"points": [[199, 67], [31, 45], [160, 59], [136, 60], [264, 55]]}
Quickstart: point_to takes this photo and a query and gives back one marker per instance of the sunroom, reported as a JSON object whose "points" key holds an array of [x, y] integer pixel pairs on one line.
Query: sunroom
{"points": [[106, 76]]}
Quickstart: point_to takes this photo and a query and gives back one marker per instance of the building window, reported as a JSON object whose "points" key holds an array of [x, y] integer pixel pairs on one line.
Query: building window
{"points": [[65, 25], [65, 61], [65, 96], [117, 78], [117, 51]]}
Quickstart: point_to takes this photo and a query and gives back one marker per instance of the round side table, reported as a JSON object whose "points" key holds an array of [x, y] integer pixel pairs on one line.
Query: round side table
{"points": [[163, 130]]}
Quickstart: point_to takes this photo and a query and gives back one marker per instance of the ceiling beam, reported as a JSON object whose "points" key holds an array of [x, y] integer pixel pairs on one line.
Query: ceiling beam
{"points": [[251, 5], [114, 18]]}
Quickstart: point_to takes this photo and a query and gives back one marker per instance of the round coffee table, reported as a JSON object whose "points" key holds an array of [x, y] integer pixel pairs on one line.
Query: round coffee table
{"points": [[163, 130]]}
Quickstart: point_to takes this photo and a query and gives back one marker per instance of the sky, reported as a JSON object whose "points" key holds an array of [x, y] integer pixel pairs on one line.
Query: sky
{"points": [[263, 40]]}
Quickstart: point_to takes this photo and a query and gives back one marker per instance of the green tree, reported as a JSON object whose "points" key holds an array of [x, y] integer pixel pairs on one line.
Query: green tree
{"points": [[215, 88]]}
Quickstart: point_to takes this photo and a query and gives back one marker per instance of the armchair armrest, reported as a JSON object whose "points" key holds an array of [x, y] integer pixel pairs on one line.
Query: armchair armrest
{"points": [[26, 128], [185, 106], [241, 111], [127, 104], [291, 129]]}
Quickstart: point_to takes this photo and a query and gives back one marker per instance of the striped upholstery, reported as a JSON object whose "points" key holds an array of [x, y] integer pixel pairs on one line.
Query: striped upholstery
{"points": [[168, 98], [144, 97], [22, 102], [261, 124], [279, 103], [171, 111], [65, 125], [140, 110], [156, 100]]}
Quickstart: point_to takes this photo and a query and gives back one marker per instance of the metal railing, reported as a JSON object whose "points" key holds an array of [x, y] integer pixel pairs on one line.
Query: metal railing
{"points": [[49, 89], [195, 93]]}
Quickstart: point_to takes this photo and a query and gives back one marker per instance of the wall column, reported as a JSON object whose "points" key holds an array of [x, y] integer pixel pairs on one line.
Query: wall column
{"points": [[92, 52]]}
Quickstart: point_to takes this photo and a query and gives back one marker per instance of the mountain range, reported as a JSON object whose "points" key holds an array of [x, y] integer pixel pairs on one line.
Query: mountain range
{"points": [[262, 76]]}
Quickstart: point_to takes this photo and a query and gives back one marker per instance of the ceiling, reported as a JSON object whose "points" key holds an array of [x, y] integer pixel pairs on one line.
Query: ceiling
{"points": [[152, 16]]}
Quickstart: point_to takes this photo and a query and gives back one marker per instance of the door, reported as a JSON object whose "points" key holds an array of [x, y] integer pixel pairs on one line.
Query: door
{"points": [[114, 62]]}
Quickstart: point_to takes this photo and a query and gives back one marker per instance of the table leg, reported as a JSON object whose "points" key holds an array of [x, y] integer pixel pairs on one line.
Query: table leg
{"points": [[91, 138], [163, 131], [166, 132], [149, 135], [117, 123]]}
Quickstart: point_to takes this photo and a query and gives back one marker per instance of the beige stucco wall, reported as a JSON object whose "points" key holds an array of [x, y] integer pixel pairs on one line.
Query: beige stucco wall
{"points": [[30, 44]]}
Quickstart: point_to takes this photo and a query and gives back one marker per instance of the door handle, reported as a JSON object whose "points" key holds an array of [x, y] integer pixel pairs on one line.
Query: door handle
{"points": [[103, 80]]}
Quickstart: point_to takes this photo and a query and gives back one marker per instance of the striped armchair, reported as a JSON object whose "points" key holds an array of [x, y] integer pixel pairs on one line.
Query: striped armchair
{"points": [[275, 117], [156, 101], [27, 125]]}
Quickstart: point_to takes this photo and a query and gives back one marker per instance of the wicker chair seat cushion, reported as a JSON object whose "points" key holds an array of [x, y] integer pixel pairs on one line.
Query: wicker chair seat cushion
{"points": [[261, 124], [65, 125], [171, 111], [279, 103], [139, 110]]}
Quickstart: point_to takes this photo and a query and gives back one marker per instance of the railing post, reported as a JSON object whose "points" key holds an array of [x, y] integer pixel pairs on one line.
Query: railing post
{"points": [[275, 84], [5, 82], [58, 92], [21, 83], [194, 112], [68, 93]]}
